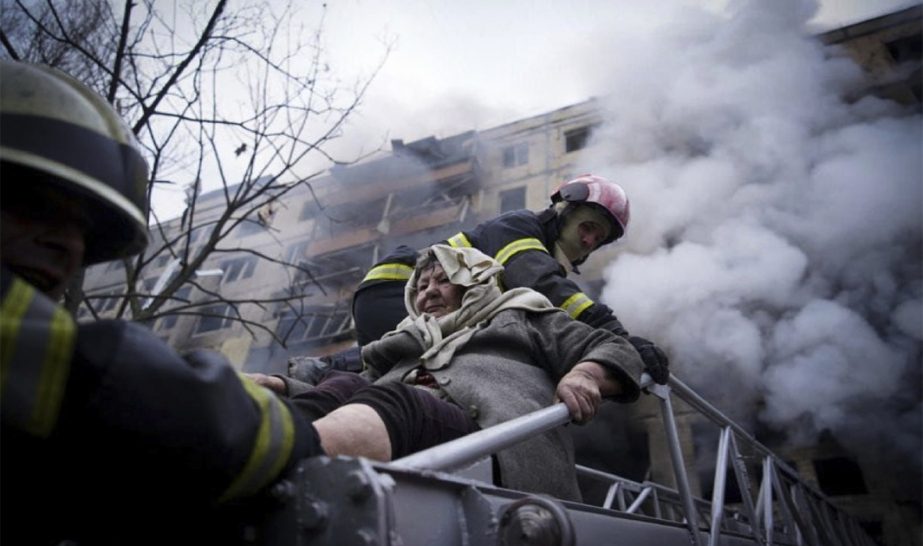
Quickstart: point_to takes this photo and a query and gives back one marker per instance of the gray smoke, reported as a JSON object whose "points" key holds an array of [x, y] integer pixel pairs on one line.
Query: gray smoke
{"points": [[775, 245]]}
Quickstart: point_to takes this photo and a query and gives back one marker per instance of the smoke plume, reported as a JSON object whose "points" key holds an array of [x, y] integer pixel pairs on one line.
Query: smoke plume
{"points": [[777, 227]]}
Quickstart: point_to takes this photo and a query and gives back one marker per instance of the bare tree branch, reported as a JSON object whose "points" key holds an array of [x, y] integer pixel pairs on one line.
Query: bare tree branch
{"points": [[120, 52], [8, 46], [149, 110], [170, 81]]}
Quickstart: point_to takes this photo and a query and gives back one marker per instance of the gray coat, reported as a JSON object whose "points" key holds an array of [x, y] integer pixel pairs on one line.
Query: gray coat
{"points": [[510, 367]]}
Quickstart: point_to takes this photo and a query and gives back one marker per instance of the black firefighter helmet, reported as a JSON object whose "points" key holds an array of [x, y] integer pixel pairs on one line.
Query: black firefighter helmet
{"points": [[62, 133]]}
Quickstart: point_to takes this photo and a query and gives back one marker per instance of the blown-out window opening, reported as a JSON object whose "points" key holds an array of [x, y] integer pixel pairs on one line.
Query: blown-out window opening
{"points": [[215, 317]]}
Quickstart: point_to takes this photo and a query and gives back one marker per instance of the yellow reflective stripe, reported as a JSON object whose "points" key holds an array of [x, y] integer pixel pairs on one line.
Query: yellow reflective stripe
{"points": [[459, 241], [272, 446], [389, 272], [54, 373], [517, 246], [37, 338], [11, 312], [576, 304]]}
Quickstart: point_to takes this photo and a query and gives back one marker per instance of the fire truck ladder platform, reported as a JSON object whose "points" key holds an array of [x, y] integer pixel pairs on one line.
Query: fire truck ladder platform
{"points": [[444, 497]]}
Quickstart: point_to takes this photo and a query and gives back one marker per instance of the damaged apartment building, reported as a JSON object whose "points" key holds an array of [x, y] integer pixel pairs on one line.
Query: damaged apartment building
{"points": [[427, 190]]}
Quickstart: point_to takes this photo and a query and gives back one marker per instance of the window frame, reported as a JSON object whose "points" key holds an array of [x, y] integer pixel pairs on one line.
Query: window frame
{"points": [[580, 136], [515, 155], [167, 322], [224, 318], [238, 268], [518, 194]]}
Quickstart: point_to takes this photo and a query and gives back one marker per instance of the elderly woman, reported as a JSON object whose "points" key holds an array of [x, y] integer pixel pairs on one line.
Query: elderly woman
{"points": [[468, 356]]}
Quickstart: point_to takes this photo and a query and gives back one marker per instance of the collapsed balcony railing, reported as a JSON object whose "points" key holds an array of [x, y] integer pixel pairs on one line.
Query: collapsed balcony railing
{"points": [[786, 510]]}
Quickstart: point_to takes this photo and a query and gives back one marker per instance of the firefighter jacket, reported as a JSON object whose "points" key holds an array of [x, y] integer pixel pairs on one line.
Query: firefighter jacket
{"points": [[522, 241], [105, 427]]}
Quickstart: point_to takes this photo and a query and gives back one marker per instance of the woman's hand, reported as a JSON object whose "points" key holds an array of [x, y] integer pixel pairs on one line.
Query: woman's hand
{"points": [[271, 382], [580, 391]]}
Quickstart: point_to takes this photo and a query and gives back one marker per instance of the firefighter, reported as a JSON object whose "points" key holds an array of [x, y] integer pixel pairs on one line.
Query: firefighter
{"points": [[536, 250], [108, 434]]}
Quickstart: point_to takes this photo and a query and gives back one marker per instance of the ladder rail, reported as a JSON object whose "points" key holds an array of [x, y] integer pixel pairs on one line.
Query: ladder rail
{"points": [[717, 501], [787, 509], [818, 503]]}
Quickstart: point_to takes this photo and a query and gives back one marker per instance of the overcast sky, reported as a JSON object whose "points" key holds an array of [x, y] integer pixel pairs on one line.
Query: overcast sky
{"points": [[457, 66]]}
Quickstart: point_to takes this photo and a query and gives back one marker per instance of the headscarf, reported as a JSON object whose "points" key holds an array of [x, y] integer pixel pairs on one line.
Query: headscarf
{"points": [[482, 300]]}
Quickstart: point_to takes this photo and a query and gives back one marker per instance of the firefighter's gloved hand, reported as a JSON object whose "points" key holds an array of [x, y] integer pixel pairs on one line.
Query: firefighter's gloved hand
{"points": [[307, 369], [349, 360], [656, 363]]}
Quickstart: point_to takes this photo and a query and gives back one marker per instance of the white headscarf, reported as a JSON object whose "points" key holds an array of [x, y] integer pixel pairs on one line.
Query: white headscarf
{"points": [[483, 299]]}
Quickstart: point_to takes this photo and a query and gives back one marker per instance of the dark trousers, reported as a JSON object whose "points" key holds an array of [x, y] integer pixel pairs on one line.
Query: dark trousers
{"points": [[414, 418]]}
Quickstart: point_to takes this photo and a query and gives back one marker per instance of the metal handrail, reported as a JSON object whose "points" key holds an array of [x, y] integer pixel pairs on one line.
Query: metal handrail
{"points": [[807, 515], [468, 449], [772, 464]]}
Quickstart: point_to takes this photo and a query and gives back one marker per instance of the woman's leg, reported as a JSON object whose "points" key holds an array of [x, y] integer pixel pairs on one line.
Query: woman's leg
{"points": [[390, 421], [355, 430]]}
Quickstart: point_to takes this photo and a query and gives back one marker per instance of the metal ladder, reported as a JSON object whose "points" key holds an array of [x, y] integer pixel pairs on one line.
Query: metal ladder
{"points": [[444, 496]]}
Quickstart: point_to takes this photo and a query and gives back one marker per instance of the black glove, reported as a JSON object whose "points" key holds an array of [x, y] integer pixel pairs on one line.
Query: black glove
{"points": [[349, 360], [656, 363]]}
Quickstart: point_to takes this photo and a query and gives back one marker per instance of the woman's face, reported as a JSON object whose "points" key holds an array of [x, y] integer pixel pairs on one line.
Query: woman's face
{"points": [[435, 294]]}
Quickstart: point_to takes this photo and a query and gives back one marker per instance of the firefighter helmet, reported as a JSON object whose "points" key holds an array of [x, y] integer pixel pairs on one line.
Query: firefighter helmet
{"points": [[601, 193], [63, 133]]}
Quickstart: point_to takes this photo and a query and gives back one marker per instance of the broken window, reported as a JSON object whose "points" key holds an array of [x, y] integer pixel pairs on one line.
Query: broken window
{"points": [[180, 297], [147, 285], [514, 199], [515, 155], [339, 268], [346, 217], [418, 202], [108, 304], [167, 322], [215, 317], [839, 476], [908, 48], [576, 139], [316, 323], [238, 268]]}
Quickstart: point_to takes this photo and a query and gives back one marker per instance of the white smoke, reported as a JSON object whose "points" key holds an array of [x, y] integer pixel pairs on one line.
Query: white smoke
{"points": [[777, 229]]}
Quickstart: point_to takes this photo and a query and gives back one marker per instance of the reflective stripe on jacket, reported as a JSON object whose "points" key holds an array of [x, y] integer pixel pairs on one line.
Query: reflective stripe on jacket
{"points": [[108, 407], [36, 346]]}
